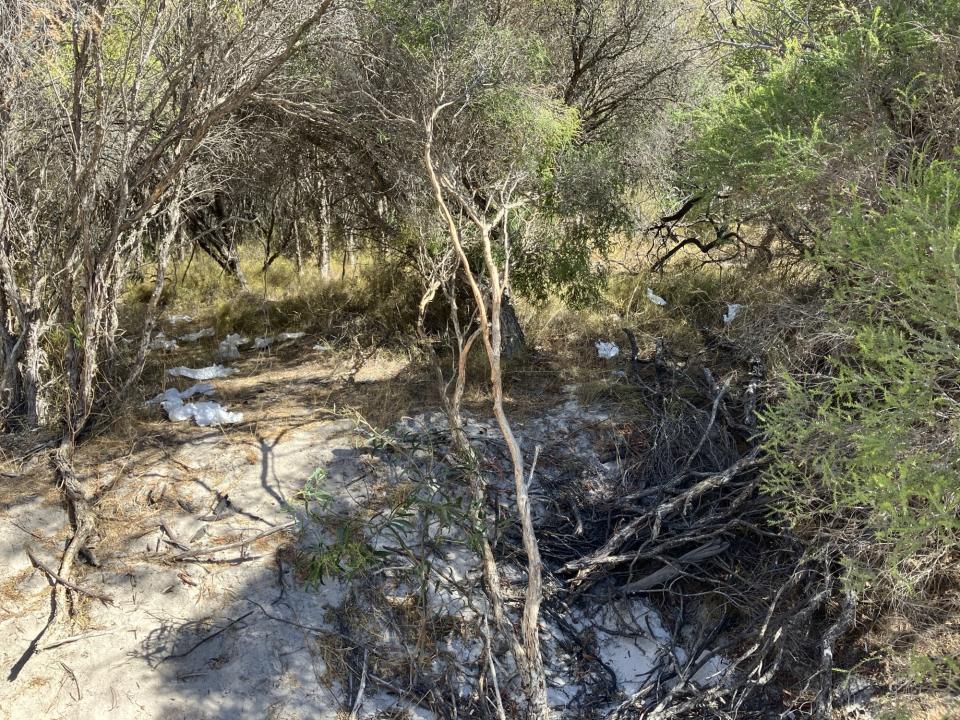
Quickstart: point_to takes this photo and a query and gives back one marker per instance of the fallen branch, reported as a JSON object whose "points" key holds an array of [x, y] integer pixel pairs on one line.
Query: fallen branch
{"points": [[824, 703], [82, 522], [75, 638], [231, 546], [709, 483], [605, 554], [672, 568], [40, 565]]}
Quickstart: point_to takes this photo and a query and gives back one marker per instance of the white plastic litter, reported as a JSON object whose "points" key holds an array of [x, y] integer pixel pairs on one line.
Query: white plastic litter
{"points": [[733, 309], [177, 319], [654, 298], [262, 343], [174, 394], [198, 335], [607, 350], [161, 342], [204, 413], [320, 347], [230, 346], [207, 373]]}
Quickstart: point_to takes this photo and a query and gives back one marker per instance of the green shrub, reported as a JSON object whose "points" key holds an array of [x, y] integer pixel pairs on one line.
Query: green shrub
{"points": [[866, 449], [832, 117]]}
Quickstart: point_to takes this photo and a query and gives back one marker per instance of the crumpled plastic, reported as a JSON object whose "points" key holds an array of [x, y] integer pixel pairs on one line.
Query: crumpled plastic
{"points": [[230, 346], [204, 413], [733, 309], [198, 335], [207, 373], [262, 343], [654, 298], [174, 394], [161, 342], [607, 350]]}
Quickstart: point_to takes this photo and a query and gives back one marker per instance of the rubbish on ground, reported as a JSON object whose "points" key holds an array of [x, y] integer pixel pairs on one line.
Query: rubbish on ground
{"points": [[321, 347], [262, 343], [733, 309], [654, 298], [207, 373], [204, 413], [177, 319], [230, 346], [174, 394], [161, 342], [194, 336], [607, 350]]}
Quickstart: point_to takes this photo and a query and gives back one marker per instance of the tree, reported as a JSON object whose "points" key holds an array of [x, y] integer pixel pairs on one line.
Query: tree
{"points": [[107, 104]]}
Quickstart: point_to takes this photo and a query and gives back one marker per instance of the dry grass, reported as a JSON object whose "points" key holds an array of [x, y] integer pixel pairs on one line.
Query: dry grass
{"points": [[696, 297], [374, 299], [921, 707]]}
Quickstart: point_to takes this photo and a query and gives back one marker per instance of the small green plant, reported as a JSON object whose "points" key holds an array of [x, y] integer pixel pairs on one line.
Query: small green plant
{"points": [[313, 490], [347, 556], [414, 516]]}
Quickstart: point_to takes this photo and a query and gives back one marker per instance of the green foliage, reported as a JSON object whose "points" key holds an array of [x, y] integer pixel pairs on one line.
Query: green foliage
{"points": [[346, 556], [936, 671], [531, 128], [821, 118], [586, 204], [868, 452], [419, 512]]}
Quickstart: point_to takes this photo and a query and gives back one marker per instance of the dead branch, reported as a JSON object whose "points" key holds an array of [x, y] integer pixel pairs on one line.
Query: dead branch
{"points": [[230, 546], [824, 703], [673, 568], [40, 565]]}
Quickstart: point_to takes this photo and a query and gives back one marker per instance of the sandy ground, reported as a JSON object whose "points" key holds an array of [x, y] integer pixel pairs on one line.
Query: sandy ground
{"points": [[215, 636], [234, 633]]}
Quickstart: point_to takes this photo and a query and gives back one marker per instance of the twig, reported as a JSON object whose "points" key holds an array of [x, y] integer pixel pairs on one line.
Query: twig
{"points": [[75, 638], [40, 565], [230, 546], [717, 399], [501, 713], [208, 637], [174, 540], [354, 713], [73, 675]]}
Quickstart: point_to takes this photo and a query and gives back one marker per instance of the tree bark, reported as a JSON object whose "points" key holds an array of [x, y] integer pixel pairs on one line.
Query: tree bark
{"points": [[514, 341]]}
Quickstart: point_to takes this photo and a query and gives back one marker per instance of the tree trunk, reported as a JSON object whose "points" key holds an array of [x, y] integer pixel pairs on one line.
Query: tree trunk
{"points": [[350, 251], [514, 342], [33, 357], [323, 234]]}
